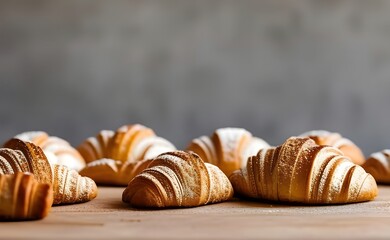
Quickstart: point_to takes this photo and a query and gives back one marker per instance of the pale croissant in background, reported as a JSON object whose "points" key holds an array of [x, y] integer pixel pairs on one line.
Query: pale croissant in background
{"points": [[301, 171], [57, 150], [24, 198], [227, 148], [113, 158], [378, 165], [178, 179], [68, 185], [350, 149]]}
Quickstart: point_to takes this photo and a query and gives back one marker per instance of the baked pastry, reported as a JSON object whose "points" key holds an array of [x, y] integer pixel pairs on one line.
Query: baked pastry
{"points": [[227, 148], [378, 165], [178, 179], [20, 156], [68, 185], [346, 146], [57, 150], [112, 172], [94, 148], [114, 157], [24, 198], [301, 171]]}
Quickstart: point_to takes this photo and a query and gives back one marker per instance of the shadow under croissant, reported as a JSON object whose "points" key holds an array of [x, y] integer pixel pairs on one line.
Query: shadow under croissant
{"points": [[387, 184], [264, 203], [152, 209], [115, 204], [10, 220], [245, 202]]}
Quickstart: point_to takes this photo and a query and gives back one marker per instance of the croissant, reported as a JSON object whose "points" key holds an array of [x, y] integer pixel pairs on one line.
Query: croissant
{"points": [[112, 172], [95, 148], [349, 149], [227, 148], [23, 198], [57, 150], [178, 179], [113, 157], [20, 156], [378, 165], [68, 185], [301, 171]]}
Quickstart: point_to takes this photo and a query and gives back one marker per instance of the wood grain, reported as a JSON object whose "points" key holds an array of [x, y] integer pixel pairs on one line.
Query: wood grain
{"points": [[107, 217]]}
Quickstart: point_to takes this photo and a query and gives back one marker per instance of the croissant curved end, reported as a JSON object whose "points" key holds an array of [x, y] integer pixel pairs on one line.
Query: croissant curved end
{"points": [[142, 193], [239, 183], [354, 153], [70, 187], [378, 165], [380, 175], [102, 171], [369, 189], [22, 197], [93, 190]]}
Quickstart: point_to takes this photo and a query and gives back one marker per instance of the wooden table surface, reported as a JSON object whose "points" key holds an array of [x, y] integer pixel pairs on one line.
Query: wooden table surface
{"points": [[106, 217]]}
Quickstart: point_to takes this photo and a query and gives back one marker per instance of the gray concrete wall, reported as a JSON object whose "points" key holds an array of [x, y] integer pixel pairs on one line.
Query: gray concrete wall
{"points": [[184, 68]]}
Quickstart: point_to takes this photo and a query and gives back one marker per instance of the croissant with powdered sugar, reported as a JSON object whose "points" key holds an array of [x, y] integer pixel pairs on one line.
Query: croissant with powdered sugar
{"points": [[114, 158], [378, 165], [57, 150], [301, 171], [350, 149], [178, 179], [68, 185], [227, 148]]}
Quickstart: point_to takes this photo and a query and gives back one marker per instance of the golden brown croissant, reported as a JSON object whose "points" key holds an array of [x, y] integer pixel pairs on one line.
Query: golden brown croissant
{"points": [[57, 150], [113, 156], [95, 148], [349, 149], [20, 156], [68, 185], [178, 179], [227, 148], [23, 198], [301, 171], [378, 165], [112, 172]]}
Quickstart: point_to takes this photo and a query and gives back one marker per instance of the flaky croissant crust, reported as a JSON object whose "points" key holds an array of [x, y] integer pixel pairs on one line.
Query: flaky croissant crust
{"points": [[227, 148], [68, 185], [301, 171], [57, 150], [378, 165], [115, 157], [178, 179], [128, 143], [350, 149], [111, 172], [24, 198]]}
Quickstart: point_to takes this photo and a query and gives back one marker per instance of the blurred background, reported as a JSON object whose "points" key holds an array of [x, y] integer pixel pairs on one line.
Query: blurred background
{"points": [[185, 68]]}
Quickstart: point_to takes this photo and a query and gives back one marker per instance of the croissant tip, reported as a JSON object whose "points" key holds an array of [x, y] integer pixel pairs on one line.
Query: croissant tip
{"points": [[47, 199], [23, 198], [93, 192], [234, 176], [141, 197], [369, 189], [238, 182]]}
